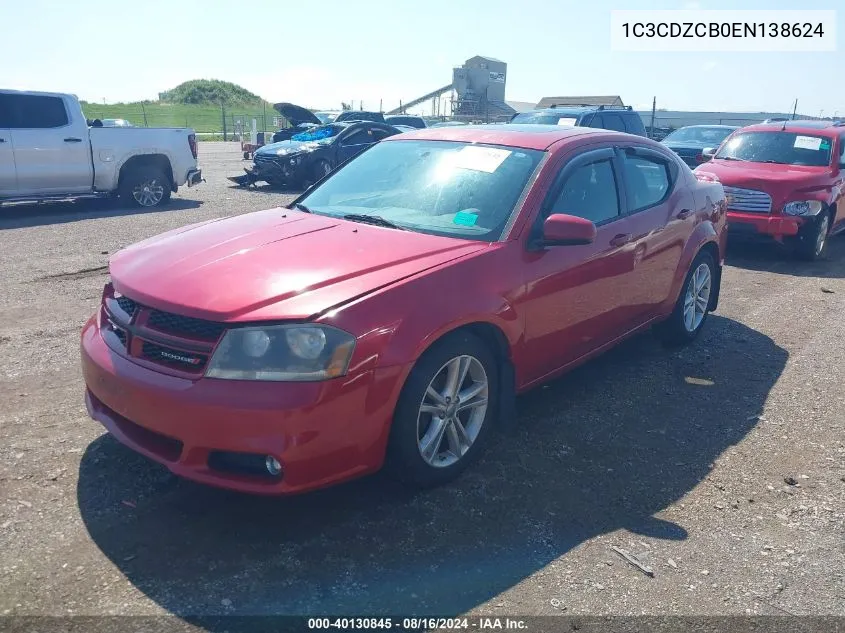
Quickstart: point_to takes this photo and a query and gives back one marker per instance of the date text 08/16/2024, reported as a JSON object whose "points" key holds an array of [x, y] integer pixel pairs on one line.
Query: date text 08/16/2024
{"points": [[416, 623]]}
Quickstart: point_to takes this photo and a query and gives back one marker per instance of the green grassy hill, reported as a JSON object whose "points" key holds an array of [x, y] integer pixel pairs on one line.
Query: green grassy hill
{"points": [[202, 118]]}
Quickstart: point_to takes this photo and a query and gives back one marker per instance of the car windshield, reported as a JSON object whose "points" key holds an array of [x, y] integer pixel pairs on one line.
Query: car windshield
{"points": [[788, 148], [712, 136], [545, 118], [436, 187], [319, 133], [325, 117]]}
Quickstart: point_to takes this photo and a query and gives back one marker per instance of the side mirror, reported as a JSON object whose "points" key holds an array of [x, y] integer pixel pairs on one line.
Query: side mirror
{"points": [[708, 152], [561, 229]]}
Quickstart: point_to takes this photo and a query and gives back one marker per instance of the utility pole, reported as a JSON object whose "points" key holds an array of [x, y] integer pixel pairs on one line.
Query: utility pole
{"points": [[223, 113], [144, 110], [380, 104], [653, 113]]}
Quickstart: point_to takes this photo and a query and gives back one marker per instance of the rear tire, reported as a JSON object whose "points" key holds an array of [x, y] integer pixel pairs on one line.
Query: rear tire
{"points": [[693, 305], [145, 186], [440, 427], [811, 244]]}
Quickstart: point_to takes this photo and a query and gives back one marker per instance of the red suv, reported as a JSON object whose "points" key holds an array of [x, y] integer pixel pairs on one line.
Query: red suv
{"points": [[784, 180], [395, 309]]}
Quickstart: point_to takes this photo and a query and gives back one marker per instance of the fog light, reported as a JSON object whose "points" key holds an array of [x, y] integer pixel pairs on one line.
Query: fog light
{"points": [[273, 465]]}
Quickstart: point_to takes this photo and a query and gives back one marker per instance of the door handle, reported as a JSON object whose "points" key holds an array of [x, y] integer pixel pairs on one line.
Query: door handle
{"points": [[684, 214], [621, 239], [73, 140]]}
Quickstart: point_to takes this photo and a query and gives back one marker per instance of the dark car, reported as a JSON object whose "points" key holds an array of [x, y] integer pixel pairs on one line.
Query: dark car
{"points": [[359, 115], [310, 155], [690, 142], [301, 119], [407, 120], [618, 118]]}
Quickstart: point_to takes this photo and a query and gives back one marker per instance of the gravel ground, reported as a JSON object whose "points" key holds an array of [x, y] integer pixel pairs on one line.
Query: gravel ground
{"points": [[720, 466]]}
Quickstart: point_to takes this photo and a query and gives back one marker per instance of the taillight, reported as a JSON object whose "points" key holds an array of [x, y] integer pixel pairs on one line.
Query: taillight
{"points": [[192, 141]]}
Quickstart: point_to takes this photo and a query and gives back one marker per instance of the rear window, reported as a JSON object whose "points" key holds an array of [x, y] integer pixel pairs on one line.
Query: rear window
{"points": [[784, 148]]}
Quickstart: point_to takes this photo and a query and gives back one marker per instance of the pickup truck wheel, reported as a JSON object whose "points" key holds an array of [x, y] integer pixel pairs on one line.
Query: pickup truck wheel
{"points": [[693, 305], [812, 240], [146, 187], [445, 412]]}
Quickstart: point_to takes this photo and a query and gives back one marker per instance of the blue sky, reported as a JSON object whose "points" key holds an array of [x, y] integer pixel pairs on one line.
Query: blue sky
{"points": [[319, 53]]}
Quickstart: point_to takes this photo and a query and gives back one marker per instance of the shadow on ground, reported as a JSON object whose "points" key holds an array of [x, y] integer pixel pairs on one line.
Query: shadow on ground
{"points": [[773, 257], [265, 188], [25, 215], [606, 447]]}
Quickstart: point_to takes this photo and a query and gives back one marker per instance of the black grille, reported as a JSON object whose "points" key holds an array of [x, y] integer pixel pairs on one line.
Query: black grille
{"points": [[187, 361], [120, 334], [185, 326], [127, 305]]}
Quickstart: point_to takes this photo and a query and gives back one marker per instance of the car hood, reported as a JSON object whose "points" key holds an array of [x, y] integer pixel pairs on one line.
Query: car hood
{"points": [[283, 148], [274, 264], [296, 114], [681, 145], [781, 182]]}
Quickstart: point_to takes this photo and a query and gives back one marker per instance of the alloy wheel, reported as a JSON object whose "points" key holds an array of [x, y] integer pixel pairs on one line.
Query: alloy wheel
{"points": [[148, 193], [697, 297], [452, 411]]}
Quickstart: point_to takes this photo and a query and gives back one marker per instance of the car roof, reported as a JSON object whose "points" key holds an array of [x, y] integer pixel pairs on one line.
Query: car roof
{"points": [[831, 127], [576, 110], [527, 136], [715, 125]]}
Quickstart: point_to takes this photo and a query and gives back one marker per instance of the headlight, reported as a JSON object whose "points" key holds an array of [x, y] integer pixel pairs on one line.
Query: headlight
{"points": [[282, 353], [802, 207], [281, 152], [295, 159]]}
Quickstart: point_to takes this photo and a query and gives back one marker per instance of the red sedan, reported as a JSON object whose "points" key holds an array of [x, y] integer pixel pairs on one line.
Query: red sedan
{"points": [[390, 315]]}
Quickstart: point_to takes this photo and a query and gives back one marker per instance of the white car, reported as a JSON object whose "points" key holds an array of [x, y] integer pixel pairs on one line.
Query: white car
{"points": [[48, 151]]}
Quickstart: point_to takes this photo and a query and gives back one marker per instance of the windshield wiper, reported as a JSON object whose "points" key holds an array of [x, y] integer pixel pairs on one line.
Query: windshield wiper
{"points": [[776, 162], [376, 220], [301, 207], [729, 158]]}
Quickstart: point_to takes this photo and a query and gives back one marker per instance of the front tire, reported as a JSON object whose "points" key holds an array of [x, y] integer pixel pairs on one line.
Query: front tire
{"points": [[693, 305], [445, 412], [812, 241], [146, 187]]}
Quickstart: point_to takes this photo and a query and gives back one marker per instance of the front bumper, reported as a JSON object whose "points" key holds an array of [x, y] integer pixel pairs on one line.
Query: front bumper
{"points": [[759, 225], [321, 432]]}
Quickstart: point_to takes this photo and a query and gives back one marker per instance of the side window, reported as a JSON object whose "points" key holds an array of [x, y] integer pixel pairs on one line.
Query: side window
{"points": [[379, 134], [647, 181], [40, 112], [6, 111], [358, 137], [593, 120], [841, 149], [613, 122], [590, 192]]}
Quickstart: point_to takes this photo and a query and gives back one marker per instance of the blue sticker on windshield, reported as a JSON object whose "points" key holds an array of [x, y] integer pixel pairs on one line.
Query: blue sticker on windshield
{"points": [[825, 144], [465, 219]]}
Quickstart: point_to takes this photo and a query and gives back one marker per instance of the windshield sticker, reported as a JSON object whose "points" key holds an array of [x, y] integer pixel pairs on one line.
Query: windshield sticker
{"points": [[807, 142], [465, 218], [566, 121], [825, 144], [486, 159]]}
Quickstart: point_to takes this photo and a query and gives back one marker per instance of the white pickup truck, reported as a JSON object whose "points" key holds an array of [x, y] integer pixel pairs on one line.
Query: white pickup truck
{"points": [[50, 151]]}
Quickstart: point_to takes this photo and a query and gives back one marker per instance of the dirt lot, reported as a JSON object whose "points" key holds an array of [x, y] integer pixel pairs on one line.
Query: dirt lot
{"points": [[689, 475]]}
